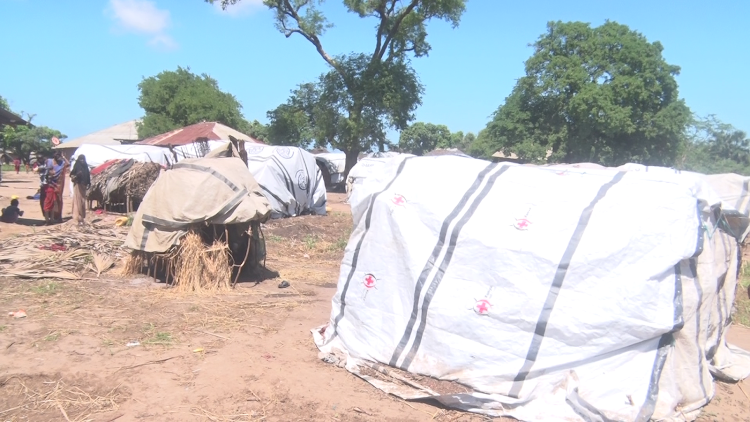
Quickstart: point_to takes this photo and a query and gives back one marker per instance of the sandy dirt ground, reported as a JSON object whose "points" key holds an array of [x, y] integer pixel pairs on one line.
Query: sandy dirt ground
{"points": [[241, 356]]}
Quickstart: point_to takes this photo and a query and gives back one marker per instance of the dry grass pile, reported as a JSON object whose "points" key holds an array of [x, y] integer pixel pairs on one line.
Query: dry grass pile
{"points": [[139, 178], [201, 269], [122, 179], [63, 252], [106, 186], [55, 400], [193, 266]]}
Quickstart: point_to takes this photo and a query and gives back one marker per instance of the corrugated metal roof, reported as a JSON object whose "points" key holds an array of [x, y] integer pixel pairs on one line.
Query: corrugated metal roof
{"points": [[212, 131], [108, 136]]}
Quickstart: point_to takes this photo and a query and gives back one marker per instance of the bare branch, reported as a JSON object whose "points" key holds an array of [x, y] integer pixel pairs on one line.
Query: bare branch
{"points": [[293, 13], [396, 26]]}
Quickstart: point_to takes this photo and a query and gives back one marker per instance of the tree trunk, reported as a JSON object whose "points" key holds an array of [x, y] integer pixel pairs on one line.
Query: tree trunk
{"points": [[351, 160]]}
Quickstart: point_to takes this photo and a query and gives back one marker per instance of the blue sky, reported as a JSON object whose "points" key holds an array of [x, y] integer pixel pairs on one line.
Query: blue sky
{"points": [[76, 64]]}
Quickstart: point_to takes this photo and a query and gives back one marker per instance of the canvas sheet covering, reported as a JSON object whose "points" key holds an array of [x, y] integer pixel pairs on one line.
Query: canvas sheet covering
{"points": [[336, 164], [289, 178], [97, 155], [368, 166], [204, 190], [578, 295]]}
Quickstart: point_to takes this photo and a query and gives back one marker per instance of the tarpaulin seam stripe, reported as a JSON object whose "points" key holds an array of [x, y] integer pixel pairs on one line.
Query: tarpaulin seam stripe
{"points": [[355, 256], [174, 225], [555, 287], [699, 291], [287, 176], [647, 410], [741, 199], [231, 204], [438, 277], [213, 172], [430, 264], [156, 221], [593, 415], [272, 194], [144, 239], [649, 406]]}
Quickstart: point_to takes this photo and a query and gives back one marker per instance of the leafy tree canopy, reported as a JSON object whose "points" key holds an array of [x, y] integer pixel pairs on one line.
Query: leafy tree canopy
{"points": [[715, 147], [365, 93], [4, 104], [421, 138], [603, 95], [173, 99], [22, 141]]}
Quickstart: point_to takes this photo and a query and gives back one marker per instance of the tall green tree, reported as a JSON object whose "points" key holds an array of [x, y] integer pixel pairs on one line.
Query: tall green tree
{"points": [[421, 138], [715, 147], [22, 141], [173, 99], [257, 130], [366, 93], [602, 94]]}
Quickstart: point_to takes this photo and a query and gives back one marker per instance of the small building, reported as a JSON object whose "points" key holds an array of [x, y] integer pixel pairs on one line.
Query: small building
{"points": [[126, 132], [204, 131], [8, 118]]}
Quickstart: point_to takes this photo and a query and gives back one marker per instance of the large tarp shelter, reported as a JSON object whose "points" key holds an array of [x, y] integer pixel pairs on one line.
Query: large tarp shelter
{"points": [[97, 155], [216, 191], [290, 179], [555, 294], [368, 166], [335, 164]]}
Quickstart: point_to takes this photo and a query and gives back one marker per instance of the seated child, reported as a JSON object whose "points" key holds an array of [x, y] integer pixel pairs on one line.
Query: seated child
{"points": [[11, 214]]}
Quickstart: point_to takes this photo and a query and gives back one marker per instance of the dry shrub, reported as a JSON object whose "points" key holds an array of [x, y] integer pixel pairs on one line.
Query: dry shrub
{"points": [[201, 269]]}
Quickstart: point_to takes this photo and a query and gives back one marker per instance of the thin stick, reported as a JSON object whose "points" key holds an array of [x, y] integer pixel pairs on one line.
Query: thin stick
{"points": [[116, 417], [65, 415], [743, 391], [12, 408], [212, 334], [151, 362], [247, 253]]}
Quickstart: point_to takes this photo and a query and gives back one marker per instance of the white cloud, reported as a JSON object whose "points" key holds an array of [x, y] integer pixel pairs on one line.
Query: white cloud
{"points": [[241, 8], [163, 41], [143, 17]]}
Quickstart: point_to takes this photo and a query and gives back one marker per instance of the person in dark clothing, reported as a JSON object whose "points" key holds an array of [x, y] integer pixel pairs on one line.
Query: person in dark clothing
{"points": [[81, 178], [11, 213]]}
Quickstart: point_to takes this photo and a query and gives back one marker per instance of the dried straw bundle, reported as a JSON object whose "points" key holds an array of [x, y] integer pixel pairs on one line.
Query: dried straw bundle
{"points": [[193, 266], [199, 269], [139, 178]]}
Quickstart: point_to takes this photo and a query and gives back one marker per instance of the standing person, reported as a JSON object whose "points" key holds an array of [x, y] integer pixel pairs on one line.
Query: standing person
{"points": [[81, 178], [53, 202], [41, 166], [17, 165]]}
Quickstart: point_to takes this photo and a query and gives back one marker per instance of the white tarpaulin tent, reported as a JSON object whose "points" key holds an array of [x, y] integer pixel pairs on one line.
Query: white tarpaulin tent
{"points": [[289, 178], [97, 155], [335, 162], [192, 151], [196, 191], [369, 166], [575, 295]]}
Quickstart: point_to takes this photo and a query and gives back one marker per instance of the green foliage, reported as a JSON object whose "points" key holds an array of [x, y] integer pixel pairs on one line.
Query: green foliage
{"points": [[482, 146], [350, 114], [421, 138], [4, 104], [257, 130], [715, 147], [363, 94], [22, 141], [603, 95], [173, 99]]}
